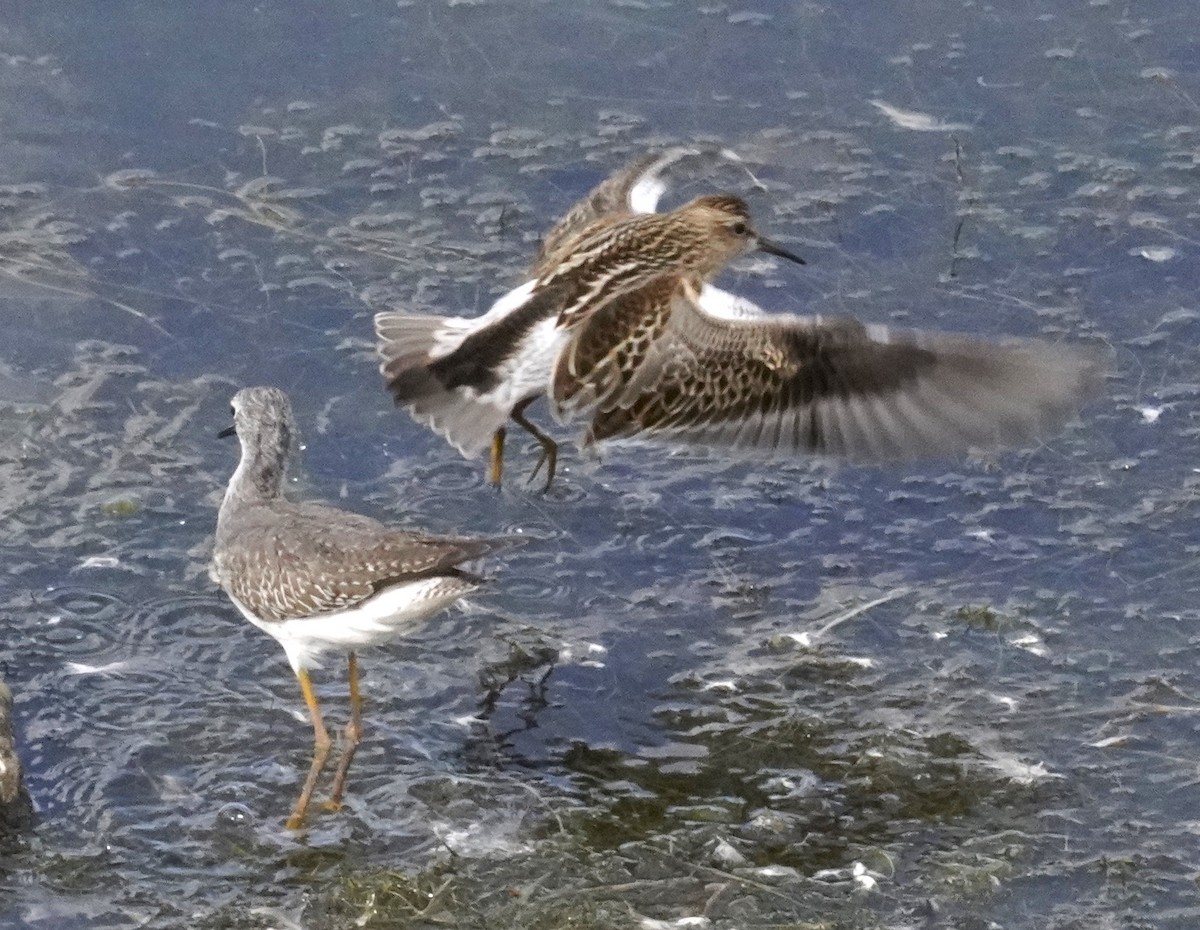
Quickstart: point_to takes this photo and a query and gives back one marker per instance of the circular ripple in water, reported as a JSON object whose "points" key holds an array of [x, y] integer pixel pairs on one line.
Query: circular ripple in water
{"points": [[198, 619]]}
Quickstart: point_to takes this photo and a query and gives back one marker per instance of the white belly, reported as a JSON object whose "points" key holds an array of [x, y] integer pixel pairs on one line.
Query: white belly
{"points": [[387, 616]]}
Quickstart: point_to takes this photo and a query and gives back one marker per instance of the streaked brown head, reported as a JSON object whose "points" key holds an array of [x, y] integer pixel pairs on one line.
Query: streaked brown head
{"points": [[723, 231]]}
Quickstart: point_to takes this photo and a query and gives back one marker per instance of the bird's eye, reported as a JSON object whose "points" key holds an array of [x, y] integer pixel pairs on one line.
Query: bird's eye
{"points": [[232, 410], [740, 229]]}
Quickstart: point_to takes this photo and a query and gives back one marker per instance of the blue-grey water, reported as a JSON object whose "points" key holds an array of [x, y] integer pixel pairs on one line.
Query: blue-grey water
{"points": [[755, 694]]}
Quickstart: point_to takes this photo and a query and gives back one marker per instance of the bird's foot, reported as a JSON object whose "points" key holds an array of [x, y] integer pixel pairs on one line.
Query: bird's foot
{"points": [[295, 822]]}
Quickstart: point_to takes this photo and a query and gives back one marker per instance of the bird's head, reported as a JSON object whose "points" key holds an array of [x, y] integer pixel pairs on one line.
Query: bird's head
{"points": [[723, 231]]}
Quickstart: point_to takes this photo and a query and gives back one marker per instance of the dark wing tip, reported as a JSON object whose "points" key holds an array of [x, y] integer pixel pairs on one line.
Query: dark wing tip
{"points": [[408, 380], [405, 343], [887, 396]]}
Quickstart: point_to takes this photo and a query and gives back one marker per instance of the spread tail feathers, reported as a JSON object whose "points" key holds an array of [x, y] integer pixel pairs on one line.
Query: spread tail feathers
{"points": [[409, 344]]}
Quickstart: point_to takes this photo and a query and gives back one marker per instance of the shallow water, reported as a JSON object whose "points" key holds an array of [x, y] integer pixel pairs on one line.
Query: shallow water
{"points": [[958, 695]]}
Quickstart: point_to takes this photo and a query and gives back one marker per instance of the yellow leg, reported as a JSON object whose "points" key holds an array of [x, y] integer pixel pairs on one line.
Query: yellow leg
{"points": [[497, 467], [353, 734], [549, 456], [321, 743]]}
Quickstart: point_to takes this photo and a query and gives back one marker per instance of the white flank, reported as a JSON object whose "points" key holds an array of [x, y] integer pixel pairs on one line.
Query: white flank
{"points": [[466, 418], [380, 619], [728, 306]]}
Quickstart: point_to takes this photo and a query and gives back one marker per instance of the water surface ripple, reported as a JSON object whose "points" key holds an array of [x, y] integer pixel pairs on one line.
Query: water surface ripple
{"points": [[752, 694]]}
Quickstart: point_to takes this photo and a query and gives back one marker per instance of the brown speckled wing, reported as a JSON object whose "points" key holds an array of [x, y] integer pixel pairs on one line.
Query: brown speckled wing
{"points": [[831, 387], [613, 258], [610, 348], [609, 198], [299, 560]]}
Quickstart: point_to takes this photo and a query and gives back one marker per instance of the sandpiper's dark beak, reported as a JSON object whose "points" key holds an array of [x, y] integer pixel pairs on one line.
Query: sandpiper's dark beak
{"points": [[766, 245], [227, 432]]}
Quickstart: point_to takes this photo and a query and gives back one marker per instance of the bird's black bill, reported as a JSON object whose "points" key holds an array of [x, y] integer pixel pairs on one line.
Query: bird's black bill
{"points": [[227, 432], [766, 245]]}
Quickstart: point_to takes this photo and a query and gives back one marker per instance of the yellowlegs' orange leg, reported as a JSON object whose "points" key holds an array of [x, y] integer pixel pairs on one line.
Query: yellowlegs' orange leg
{"points": [[321, 743], [353, 734], [549, 456], [497, 467]]}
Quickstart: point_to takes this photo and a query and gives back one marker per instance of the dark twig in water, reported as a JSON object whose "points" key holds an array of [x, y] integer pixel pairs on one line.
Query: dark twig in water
{"points": [[955, 254]]}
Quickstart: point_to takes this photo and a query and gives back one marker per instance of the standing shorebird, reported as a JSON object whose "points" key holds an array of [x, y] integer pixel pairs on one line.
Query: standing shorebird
{"points": [[318, 578], [466, 378]]}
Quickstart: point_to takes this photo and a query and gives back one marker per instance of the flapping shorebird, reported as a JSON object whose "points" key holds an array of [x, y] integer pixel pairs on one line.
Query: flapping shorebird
{"points": [[465, 378], [321, 579], [621, 325]]}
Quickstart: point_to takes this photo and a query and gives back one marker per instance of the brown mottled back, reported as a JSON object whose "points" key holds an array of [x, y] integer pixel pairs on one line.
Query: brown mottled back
{"points": [[615, 257], [608, 200], [291, 560]]}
